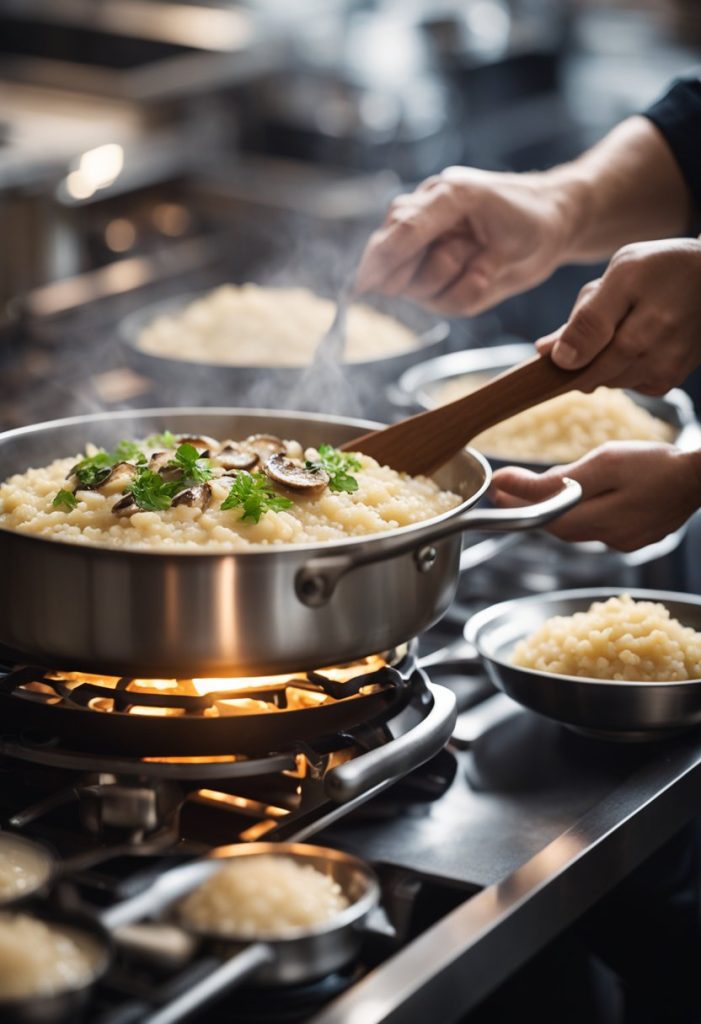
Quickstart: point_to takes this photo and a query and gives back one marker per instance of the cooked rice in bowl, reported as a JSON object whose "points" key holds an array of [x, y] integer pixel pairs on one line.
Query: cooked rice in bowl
{"points": [[22, 870], [42, 959], [562, 429], [248, 325], [263, 895], [618, 639]]}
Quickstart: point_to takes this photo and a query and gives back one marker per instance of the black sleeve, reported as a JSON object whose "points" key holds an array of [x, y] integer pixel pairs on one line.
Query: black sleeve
{"points": [[677, 115]]}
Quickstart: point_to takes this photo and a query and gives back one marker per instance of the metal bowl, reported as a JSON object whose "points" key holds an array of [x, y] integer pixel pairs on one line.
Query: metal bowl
{"points": [[271, 386], [67, 1004], [416, 388], [606, 709], [38, 857]]}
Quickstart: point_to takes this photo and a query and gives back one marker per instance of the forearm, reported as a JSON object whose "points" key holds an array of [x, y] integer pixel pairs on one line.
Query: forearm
{"points": [[627, 188]]}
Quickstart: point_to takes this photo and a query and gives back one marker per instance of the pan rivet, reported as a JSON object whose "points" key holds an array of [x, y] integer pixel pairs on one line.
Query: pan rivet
{"points": [[426, 559], [312, 590]]}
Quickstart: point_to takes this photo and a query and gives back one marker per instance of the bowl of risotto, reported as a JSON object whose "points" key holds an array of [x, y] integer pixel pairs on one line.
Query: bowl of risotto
{"points": [[620, 665], [49, 962], [250, 344], [287, 912], [558, 431]]}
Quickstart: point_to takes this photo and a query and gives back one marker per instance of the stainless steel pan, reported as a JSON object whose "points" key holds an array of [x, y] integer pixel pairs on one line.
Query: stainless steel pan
{"points": [[298, 607], [302, 956], [607, 709]]}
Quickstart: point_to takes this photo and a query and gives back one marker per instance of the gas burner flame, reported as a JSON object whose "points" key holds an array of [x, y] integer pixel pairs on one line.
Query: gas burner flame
{"points": [[211, 697]]}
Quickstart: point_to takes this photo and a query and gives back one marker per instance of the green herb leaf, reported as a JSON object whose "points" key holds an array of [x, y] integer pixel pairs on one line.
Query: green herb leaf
{"points": [[195, 469], [254, 493], [337, 464], [93, 469], [65, 499], [151, 492], [164, 440], [128, 451]]}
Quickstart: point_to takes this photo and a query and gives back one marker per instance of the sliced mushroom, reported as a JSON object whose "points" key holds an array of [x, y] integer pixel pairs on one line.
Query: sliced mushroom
{"points": [[119, 476], [264, 445], [296, 476], [125, 506], [158, 463], [231, 456], [197, 496], [202, 443]]}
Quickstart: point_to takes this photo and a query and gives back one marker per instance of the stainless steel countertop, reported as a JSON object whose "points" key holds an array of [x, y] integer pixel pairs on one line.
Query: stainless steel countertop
{"points": [[547, 822]]}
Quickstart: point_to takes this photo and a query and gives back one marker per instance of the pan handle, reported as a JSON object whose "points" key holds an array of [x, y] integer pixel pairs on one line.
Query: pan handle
{"points": [[400, 755], [166, 889], [237, 968], [316, 581]]}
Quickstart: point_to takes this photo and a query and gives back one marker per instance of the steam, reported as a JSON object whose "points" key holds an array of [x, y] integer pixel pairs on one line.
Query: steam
{"points": [[68, 376]]}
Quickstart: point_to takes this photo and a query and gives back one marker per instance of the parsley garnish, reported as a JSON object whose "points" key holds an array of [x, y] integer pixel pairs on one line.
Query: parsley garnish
{"points": [[336, 463], [129, 451], [93, 469], [152, 492], [149, 490], [164, 440], [253, 493], [195, 469], [65, 499]]}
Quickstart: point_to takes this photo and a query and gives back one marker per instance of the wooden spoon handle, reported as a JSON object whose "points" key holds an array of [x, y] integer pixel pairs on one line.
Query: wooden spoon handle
{"points": [[519, 388], [423, 442]]}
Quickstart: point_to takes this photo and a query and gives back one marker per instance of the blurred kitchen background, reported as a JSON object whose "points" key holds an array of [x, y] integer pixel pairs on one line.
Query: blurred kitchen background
{"points": [[150, 150]]}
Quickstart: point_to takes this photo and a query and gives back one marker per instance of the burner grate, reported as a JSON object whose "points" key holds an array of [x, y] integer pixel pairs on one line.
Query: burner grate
{"points": [[249, 717]]}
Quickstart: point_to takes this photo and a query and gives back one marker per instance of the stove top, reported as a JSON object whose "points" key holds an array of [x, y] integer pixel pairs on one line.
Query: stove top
{"points": [[118, 813]]}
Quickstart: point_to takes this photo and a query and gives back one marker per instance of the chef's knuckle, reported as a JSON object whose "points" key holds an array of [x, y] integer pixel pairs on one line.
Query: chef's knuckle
{"points": [[625, 259], [630, 346], [586, 325], [661, 321], [588, 289]]}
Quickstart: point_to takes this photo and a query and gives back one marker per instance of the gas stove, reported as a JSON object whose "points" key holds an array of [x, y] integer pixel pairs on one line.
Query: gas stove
{"points": [[125, 778]]}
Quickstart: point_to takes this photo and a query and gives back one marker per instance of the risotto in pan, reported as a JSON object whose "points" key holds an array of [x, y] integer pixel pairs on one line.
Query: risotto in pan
{"points": [[168, 491]]}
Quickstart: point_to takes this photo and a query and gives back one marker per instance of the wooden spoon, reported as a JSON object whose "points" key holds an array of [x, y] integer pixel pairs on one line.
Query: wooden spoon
{"points": [[422, 443]]}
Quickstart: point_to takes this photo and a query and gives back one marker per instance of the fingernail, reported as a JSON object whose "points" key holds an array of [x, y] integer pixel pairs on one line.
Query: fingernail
{"points": [[564, 354]]}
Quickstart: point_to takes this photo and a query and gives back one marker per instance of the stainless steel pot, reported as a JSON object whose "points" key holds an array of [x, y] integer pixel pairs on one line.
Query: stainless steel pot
{"points": [[158, 613], [607, 709]]}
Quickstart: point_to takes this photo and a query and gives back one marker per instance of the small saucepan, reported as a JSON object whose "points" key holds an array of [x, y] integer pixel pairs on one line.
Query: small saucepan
{"points": [[31, 867], [300, 956], [606, 709], [64, 1004]]}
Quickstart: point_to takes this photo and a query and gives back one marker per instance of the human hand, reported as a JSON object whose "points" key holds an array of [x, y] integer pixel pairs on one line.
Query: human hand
{"points": [[641, 319], [634, 493], [466, 239]]}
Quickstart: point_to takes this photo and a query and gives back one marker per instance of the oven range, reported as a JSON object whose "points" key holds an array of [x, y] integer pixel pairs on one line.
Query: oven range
{"points": [[484, 850]]}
